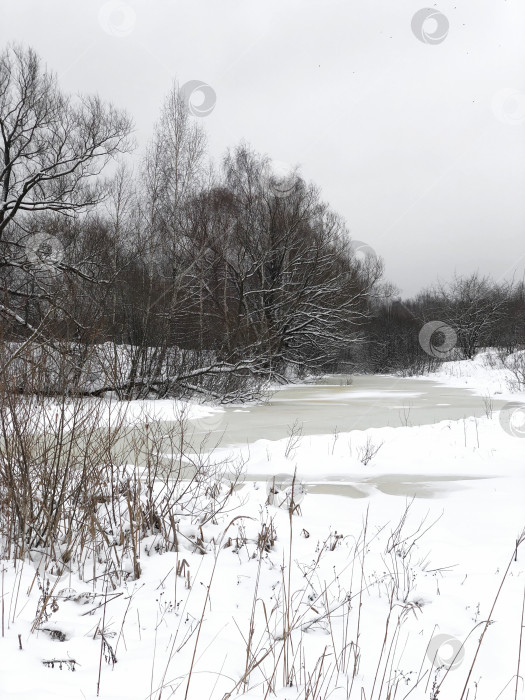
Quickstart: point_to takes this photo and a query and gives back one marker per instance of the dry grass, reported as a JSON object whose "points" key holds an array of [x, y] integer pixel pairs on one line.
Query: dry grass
{"points": [[83, 491]]}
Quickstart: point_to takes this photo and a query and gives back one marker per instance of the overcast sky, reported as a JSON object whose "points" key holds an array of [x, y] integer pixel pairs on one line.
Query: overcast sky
{"points": [[418, 141]]}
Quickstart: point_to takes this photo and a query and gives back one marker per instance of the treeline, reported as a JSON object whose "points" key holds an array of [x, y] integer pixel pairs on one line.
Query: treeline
{"points": [[453, 320], [176, 277], [169, 279]]}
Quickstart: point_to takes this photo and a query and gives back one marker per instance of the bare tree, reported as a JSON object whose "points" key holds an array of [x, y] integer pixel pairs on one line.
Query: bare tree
{"points": [[174, 164], [474, 306], [287, 286], [53, 149]]}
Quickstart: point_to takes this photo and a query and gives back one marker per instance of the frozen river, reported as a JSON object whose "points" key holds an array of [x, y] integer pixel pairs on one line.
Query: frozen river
{"points": [[329, 406], [340, 404]]}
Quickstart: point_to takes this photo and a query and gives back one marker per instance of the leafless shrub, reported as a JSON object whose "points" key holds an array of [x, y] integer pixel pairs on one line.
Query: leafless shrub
{"points": [[368, 451], [294, 437], [515, 363], [488, 405]]}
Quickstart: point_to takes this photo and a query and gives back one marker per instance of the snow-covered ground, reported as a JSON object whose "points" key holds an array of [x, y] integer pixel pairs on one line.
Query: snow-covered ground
{"points": [[485, 374], [40, 413], [364, 592]]}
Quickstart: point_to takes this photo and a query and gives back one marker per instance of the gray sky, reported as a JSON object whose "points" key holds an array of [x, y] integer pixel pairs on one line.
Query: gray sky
{"points": [[420, 146]]}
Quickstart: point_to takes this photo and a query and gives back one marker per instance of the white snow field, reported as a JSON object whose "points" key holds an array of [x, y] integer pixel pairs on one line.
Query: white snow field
{"points": [[401, 577]]}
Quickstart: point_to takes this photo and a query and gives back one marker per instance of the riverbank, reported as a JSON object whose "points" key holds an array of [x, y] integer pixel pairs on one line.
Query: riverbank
{"points": [[485, 375]]}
